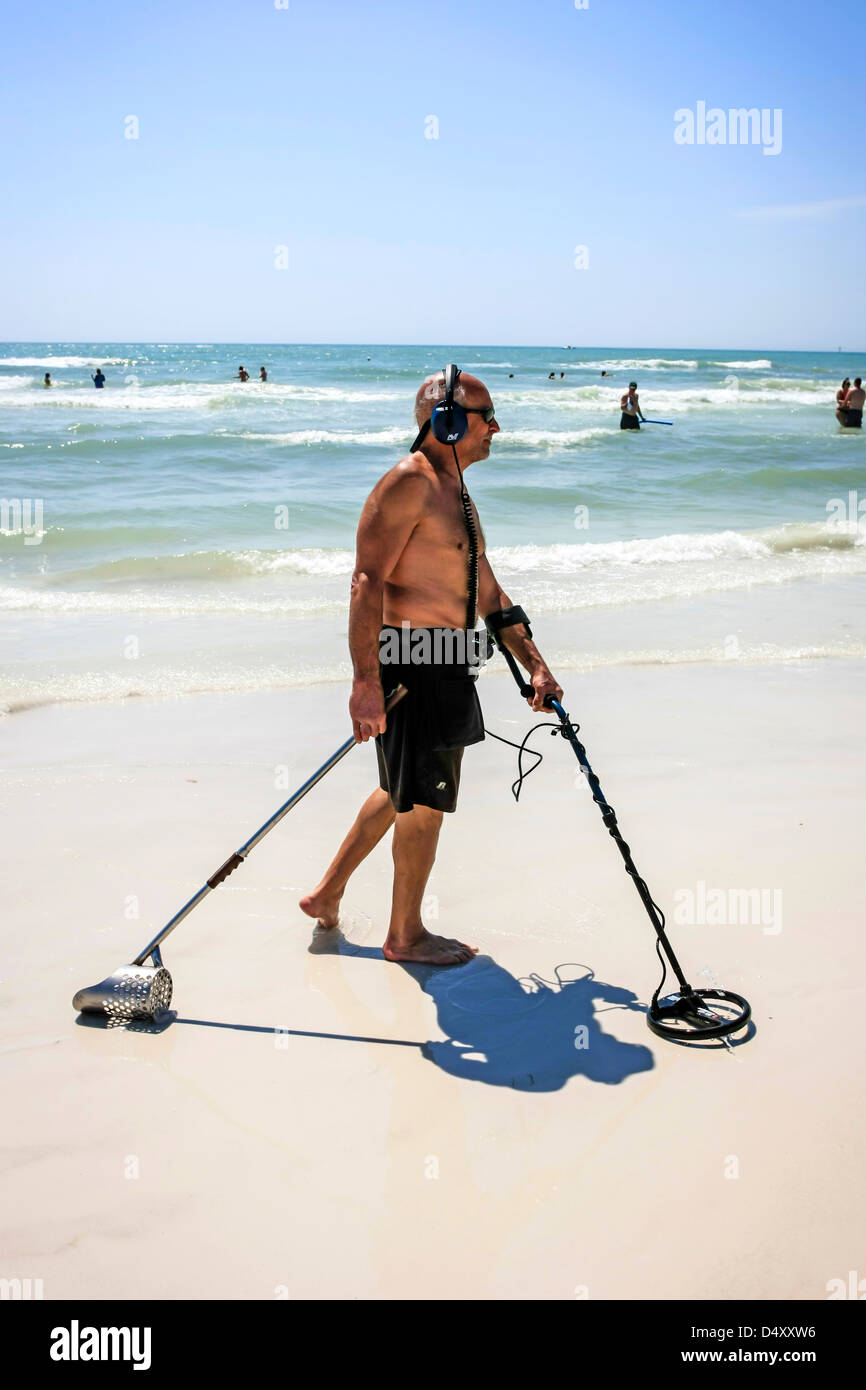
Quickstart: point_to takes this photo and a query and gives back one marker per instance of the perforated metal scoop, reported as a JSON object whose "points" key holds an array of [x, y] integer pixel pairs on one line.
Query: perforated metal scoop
{"points": [[133, 991]]}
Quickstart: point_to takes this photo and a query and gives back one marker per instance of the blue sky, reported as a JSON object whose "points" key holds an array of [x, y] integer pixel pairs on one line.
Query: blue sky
{"points": [[304, 127]]}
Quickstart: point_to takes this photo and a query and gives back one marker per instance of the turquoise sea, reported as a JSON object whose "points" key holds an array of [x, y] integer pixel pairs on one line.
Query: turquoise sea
{"points": [[183, 531]]}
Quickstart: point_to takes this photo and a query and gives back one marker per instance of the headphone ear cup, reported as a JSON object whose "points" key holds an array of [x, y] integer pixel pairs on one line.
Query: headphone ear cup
{"points": [[449, 431]]}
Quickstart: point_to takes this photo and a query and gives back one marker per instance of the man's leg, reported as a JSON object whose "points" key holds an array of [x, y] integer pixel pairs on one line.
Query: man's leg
{"points": [[416, 835], [374, 818]]}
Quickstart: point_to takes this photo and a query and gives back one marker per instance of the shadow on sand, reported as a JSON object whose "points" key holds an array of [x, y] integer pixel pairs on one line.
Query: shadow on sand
{"points": [[530, 1034]]}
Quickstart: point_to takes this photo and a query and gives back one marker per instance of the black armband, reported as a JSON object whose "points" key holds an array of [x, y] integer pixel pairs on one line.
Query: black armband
{"points": [[506, 617]]}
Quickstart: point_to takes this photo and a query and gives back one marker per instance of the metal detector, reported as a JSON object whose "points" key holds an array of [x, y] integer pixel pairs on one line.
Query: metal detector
{"points": [[688, 1015]]}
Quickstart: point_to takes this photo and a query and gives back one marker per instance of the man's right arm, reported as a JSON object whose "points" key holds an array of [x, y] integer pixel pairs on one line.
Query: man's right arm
{"points": [[390, 515]]}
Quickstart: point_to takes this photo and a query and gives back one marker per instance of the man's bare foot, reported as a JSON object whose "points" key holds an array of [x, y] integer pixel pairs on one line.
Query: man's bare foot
{"points": [[324, 907], [427, 949]]}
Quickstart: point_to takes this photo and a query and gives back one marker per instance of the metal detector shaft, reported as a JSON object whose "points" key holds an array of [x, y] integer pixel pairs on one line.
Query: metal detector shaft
{"points": [[240, 855], [608, 814]]}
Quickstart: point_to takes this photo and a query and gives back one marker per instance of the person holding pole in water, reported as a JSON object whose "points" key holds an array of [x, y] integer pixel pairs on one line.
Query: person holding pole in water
{"points": [[630, 406]]}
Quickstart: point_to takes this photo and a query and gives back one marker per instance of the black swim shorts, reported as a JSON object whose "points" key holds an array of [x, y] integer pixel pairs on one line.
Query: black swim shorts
{"points": [[421, 750], [853, 418], [629, 422]]}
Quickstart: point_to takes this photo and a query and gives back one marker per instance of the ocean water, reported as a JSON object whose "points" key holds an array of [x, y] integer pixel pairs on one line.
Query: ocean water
{"points": [[182, 531]]}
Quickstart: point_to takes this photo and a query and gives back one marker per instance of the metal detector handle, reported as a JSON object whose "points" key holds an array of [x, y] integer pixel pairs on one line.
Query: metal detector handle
{"points": [[526, 690], [222, 873], [395, 697]]}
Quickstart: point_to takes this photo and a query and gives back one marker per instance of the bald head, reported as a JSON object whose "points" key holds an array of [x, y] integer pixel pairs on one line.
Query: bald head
{"points": [[470, 391]]}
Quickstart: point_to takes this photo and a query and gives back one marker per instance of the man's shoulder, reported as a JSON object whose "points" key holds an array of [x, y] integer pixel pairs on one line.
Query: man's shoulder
{"points": [[407, 487], [412, 475]]}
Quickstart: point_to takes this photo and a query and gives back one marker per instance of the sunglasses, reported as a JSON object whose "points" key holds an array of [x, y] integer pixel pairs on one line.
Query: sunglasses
{"points": [[488, 411]]}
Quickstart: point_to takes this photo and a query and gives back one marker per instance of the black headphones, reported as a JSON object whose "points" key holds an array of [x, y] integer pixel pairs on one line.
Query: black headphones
{"points": [[449, 420]]}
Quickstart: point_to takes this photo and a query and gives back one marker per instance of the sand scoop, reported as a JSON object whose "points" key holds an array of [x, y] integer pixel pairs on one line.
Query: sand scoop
{"points": [[140, 990]]}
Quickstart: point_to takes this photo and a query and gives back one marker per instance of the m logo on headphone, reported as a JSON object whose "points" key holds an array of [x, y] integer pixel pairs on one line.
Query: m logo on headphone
{"points": [[449, 420]]}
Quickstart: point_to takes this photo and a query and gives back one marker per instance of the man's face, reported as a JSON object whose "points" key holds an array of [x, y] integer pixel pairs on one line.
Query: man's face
{"points": [[480, 434]]}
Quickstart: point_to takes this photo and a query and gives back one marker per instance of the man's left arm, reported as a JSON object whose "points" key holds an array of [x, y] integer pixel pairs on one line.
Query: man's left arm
{"points": [[491, 598]]}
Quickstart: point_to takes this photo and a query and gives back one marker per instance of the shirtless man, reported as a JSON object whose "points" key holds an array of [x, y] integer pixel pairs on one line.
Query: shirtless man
{"points": [[850, 412], [411, 566], [630, 406]]}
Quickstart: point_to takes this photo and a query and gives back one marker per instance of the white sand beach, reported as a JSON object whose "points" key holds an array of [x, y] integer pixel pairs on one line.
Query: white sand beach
{"points": [[437, 1134]]}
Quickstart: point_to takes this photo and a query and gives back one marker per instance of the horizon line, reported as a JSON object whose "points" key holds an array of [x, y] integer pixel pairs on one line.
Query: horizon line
{"points": [[556, 347]]}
